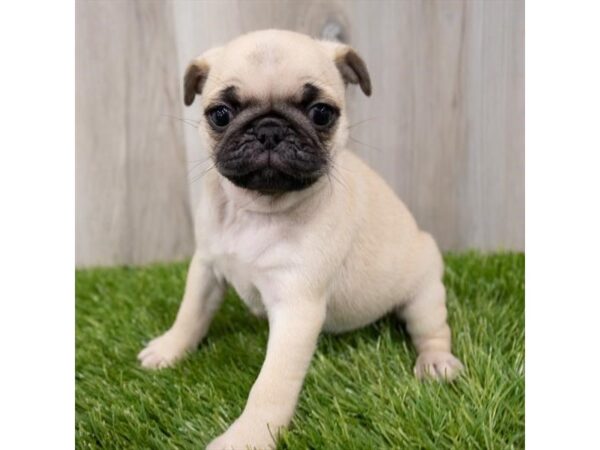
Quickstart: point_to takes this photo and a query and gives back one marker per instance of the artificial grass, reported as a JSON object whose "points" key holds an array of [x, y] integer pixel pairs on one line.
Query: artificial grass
{"points": [[360, 392]]}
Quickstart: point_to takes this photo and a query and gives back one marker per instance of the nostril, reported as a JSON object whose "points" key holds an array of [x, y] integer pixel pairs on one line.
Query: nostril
{"points": [[270, 135], [261, 135], [269, 131]]}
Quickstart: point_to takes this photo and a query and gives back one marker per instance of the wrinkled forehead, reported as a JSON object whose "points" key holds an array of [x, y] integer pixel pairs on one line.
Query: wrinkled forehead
{"points": [[270, 71]]}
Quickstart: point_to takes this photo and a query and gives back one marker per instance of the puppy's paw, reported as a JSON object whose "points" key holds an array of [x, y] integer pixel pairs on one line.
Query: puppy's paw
{"points": [[438, 365], [164, 351], [245, 435]]}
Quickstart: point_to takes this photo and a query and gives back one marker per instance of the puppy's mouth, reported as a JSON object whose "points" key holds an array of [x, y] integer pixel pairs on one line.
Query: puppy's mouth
{"points": [[271, 155], [271, 172]]}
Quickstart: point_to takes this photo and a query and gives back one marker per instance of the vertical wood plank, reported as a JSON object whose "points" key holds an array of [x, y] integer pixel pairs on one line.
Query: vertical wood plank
{"points": [[131, 184]]}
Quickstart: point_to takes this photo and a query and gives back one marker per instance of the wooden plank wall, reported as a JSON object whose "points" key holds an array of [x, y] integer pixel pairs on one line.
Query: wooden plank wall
{"points": [[445, 124]]}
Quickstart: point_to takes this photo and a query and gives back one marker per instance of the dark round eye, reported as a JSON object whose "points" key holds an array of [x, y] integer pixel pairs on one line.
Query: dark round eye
{"points": [[220, 116], [321, 114]]}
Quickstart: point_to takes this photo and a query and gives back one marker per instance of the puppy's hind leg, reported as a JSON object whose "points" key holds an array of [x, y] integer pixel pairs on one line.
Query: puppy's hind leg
{"points": [[425, 316]]}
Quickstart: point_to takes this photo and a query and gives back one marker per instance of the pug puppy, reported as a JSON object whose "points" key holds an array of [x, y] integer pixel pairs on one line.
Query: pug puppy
{"points": [[308, 235]]}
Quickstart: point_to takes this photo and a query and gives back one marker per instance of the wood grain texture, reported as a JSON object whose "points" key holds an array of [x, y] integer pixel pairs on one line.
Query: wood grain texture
{"points": [[447, 114], [445, 124], [131, 182]]}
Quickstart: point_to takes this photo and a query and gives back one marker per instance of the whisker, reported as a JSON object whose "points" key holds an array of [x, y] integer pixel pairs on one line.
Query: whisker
{"points": [[344, 168], [330, 183], [338, 180], [189, 122], [362, 143], [201, 159], [198, 164], [360, 122], [198, 177]]}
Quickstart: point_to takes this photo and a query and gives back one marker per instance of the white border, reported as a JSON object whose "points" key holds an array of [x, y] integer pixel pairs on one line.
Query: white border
{"points": [[37, 224], [562, 224]]}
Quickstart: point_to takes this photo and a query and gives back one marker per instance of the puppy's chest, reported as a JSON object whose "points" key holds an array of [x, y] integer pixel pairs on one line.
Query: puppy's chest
{"points": [[246, 252]]}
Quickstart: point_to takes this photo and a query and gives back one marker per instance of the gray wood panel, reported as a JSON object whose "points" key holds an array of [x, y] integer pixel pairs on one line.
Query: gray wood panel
{"points": [[445, 124], [131, 180]]}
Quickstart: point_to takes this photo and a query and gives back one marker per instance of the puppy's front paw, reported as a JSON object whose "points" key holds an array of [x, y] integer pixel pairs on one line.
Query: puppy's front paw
{"points": [[164, 351], [243, 435], [438, 365]]}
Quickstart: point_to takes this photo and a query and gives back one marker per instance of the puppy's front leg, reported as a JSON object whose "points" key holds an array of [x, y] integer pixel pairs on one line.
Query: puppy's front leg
{"points": [[294, 330], [202, 297]]}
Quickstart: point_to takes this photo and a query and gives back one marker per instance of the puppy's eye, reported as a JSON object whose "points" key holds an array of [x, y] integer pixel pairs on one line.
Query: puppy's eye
{"points": [[220, 116], [321, 114]]}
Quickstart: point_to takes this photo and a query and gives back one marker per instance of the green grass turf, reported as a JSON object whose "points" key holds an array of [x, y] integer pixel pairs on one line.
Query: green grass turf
{"points": [[360, 392]]}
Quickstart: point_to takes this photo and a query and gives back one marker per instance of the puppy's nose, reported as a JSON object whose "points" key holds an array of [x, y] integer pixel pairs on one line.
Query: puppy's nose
{"points": [[270, 132]]}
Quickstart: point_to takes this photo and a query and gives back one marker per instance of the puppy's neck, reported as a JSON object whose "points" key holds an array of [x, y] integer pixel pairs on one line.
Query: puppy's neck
{"points": [[252, 201]]}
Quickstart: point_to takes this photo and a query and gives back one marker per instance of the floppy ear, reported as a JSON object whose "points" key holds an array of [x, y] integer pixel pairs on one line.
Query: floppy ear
{"points": [[196, 75], [351, 66], [193, 81]]}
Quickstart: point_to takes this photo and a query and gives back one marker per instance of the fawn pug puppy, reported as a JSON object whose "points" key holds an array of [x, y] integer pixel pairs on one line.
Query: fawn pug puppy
{"points": [[307, 234]]}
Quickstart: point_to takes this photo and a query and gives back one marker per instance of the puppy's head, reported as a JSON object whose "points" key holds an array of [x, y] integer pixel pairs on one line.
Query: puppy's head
{"points": [[274, 109]]}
